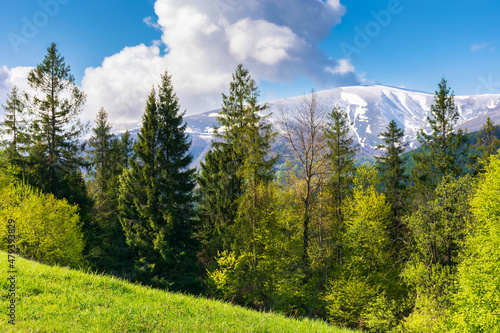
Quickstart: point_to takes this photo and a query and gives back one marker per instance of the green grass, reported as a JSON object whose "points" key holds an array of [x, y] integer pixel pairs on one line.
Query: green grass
{"points": [[56, 299]]}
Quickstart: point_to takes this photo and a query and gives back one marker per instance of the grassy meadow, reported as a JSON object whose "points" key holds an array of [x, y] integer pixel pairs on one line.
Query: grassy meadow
{"points": [[58, 299]]}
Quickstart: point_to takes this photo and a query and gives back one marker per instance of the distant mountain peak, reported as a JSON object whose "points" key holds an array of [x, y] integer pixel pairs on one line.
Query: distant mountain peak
{"points": [[369, 109]]}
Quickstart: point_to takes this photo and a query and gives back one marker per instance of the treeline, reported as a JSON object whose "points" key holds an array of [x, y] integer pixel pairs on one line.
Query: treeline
{"points": [[305, 232]]}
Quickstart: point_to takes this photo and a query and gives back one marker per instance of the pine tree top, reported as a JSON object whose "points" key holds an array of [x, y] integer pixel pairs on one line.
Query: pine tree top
{"points": [[52, 74]]}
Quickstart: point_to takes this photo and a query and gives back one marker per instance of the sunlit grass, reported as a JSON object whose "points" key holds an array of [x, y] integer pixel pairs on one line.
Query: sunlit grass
{"points": [[55, 299]]}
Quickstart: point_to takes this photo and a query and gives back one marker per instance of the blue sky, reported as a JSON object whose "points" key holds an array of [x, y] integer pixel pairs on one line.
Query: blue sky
{"points": [[118, 49]]}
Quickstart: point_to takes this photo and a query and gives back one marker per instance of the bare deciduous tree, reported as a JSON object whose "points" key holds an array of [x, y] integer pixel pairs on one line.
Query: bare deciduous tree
{"points": [[303, 136]]}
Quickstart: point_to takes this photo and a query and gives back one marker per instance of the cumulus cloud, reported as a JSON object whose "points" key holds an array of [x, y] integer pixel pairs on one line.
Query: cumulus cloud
{"points": [[203, 42], [262, 42], [122, 83]]}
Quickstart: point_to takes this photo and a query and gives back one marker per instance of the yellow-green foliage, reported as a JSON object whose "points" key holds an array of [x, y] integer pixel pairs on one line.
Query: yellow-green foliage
{"points": [[433, 288], [477, 306], [223, 277], [262, 270], [367, 229], [367, 234], [437, 230], [347, 299], [47, 229], [357, 297]]}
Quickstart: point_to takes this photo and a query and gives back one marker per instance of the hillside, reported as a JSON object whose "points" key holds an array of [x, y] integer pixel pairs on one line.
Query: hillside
{"points": [[370, 109], [55, 299]]}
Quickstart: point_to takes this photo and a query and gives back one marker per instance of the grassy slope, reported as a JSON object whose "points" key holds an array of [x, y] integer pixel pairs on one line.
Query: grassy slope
{"points": [[54, 299]]}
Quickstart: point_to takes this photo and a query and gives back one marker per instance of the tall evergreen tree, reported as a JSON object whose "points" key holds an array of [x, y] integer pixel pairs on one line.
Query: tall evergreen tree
{"points": [[14, 127], [156, 196], [100, 151], [217, 209], [391, 168], [342, 157], [487, 145], [253, 145], [126, 144], [105, 241], [245, 132], [243, 149], [443, 151], [237, 164], [55, 152]]}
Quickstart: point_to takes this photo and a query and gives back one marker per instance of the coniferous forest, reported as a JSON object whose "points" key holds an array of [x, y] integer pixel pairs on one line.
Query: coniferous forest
{"points": [[408, 243]]}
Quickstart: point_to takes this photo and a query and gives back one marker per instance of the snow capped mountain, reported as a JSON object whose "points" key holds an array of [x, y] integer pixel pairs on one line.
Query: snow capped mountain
{"points": [[369, 109]]}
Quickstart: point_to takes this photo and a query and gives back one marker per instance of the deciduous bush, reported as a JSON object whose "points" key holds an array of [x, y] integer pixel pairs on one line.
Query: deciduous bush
{"points": [[47, 229]]}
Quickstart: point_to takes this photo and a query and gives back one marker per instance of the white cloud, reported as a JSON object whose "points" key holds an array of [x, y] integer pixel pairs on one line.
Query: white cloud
{"points": [[335, 4], [10, 77], [122, 83], [203, 42], [344, 66], [262, 41]]}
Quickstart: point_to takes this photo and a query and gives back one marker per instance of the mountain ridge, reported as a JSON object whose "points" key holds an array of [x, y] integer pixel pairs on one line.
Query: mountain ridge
{"points": [[369, 110]]}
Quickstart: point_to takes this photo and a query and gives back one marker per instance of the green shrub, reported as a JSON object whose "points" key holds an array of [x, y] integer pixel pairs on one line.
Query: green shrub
{"points": [[47, 229]]}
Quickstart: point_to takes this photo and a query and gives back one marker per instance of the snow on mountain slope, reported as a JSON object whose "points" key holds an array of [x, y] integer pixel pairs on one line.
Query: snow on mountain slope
{"points": [[369, 109]]}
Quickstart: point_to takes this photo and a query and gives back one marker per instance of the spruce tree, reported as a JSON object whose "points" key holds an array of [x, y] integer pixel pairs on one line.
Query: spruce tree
{"points": [[342, 154], [156, 196], [245, 135], [55, 152], [217, 205], [237, 164], [394, 181], [100, 151], [14, 128], [126, 144], [252, 143], [105, 239], [236, 174], [443, 151], [391, 166]]}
